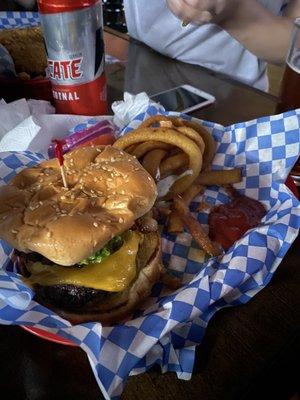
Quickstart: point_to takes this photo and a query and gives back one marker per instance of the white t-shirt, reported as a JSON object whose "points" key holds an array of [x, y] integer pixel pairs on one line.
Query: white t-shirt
{"points": [[151, 22]]}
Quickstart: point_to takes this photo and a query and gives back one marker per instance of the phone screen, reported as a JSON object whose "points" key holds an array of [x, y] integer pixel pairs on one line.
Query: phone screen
{"points": [[178, 99]]}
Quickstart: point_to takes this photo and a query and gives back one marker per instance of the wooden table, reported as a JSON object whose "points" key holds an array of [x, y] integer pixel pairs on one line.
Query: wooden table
{"points": [[146, 70], [248, 352]]}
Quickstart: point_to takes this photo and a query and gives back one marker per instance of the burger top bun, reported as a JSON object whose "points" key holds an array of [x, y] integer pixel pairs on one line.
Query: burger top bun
{"points": [[107, 191]]}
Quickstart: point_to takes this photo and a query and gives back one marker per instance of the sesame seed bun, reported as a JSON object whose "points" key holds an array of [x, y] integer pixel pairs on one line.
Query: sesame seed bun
{"points": [[107, 191]]}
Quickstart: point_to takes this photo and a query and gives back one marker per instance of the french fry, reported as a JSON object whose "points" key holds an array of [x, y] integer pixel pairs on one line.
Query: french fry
{"points": [[220, 178], [175, 224], [165, 211], [172, 163], [172, 282], [192, 192], [195, 228], [203, 206], [152, 161]]}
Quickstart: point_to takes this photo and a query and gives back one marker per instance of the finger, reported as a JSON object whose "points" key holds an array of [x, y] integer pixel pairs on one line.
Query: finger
{"points": [[220, 6], [201, 5], [188, 13], [205, 17], [178, 8], [194, 6]]}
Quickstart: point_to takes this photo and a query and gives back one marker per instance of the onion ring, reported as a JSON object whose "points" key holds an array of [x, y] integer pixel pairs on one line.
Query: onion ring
{"points": [[210, 144], [180, 125], [154, 120], [151, 162], [172, 163], [131, 148], [142, 148], [171, 137], [192, 134], [209, 147]]}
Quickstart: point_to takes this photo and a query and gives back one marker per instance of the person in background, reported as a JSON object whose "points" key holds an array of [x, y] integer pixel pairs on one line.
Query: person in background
{"points": [[234, 37]]}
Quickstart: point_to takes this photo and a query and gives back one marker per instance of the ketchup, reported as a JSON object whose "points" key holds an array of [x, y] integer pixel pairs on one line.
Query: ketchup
{"points": [[227, 223]]}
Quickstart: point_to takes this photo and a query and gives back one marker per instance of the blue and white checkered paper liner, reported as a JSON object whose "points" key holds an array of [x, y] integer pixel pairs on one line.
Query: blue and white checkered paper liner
{"points": [[18, 19], [169, 326]]}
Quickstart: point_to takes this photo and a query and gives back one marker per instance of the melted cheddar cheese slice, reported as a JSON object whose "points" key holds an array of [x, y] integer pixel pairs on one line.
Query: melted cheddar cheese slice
{"points": [[113, 274]]}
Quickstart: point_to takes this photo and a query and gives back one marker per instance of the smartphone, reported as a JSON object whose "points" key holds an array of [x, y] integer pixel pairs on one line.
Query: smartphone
{"points": [[183, 98]]}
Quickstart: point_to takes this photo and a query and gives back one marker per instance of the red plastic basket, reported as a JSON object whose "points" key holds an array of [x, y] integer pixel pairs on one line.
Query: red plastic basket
{"points": [[13, 89]]}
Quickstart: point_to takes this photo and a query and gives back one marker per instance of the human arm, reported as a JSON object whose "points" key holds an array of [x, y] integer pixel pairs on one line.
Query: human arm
{"points": [[258, 29]]}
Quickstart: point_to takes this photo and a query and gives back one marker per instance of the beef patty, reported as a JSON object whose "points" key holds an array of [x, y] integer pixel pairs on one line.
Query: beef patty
{"points": [[71, 297]]}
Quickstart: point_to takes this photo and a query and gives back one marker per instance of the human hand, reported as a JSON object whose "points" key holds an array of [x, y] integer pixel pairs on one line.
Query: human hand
{"points": [[201, 11]]}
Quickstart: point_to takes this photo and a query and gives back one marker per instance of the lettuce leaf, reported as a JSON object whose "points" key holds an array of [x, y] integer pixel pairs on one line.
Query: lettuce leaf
{"points": [[113, 245]]}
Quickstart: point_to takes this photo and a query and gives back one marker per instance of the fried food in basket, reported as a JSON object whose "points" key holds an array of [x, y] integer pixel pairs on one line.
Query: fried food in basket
{"points": [[173, 163], [141, 149], [175, 138], [220, 178], [177, 154], [26, 47], [152, 161], [210, 145], [175, 223], [195, 228]]}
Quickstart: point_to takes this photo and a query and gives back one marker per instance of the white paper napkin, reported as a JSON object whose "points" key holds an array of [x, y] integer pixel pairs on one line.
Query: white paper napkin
{"points": [[12, 114], [32, 124], [132, 105]]}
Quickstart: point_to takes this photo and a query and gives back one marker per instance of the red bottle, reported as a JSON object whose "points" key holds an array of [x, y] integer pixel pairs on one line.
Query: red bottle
{"points": [[73, 32]]}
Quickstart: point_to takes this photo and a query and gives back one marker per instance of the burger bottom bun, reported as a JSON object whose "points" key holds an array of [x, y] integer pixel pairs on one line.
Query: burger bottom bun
{"points": [[118, 307]]}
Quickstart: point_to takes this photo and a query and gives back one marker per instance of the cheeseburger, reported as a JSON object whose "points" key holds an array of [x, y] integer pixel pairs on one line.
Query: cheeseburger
{"points": [[91, 251]]}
